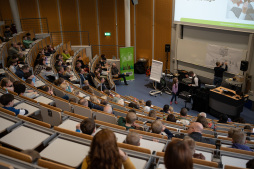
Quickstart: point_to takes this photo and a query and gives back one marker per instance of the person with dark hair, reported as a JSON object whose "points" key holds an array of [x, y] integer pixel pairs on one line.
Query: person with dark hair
{"points": [[6, 84], [60, 71], [28, 36], [87, 126], [192, 146], [105, 154], [30, 81], [218, 73], [115, 73], [19, 88], [102, 85], [20, 72], [157, 127], [182, 119], [132, 110], [223, 118], [178, 155], [195, 80], [7, 32], [133, 105], [147, 108], [104, 102], [7, 100], [165, 108], [20, 45], [26, 42], [81, 73], [171, 118], [13, 28], [250, 164], [79, 59], [13, 66], [78, 65], [14, 49], [40, 66], [47, 89]]}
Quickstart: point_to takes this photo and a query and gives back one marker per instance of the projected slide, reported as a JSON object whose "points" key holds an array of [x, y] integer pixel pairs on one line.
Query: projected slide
{"points": [[227, 13]]}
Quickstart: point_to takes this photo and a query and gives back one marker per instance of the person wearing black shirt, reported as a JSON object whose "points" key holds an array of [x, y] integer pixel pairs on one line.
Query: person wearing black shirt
{"points": [[218, 73], [115, 73]]}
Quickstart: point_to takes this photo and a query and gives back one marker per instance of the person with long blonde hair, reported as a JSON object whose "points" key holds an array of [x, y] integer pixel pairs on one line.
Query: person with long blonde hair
{"points": [[105, 154]]}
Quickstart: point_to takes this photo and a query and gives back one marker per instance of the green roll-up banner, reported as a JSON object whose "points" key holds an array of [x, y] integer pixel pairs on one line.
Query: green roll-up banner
{"points": [[127, 62]]}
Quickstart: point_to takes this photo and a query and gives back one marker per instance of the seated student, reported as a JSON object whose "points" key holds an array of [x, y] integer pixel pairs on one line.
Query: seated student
{"points": [[83, 102], [27, 42], [47, 89], [20, 45], [133, 105], [66, 87], [78, 66], [20, 89], [116, 98], [7, 100], [147, 108], [87, 126], [204, 122], [152, 113], [94, 99], [102, 85], [178, 155], [48, 74], [108, 109], [195, 132], [13, 66], [166, 109], [40, 66], [248, 127], [121, 102], [182, 119], [66, 55], [171, 117], [79, 58], [115, 73], [34, 154], [13, 28], [14, 49], [133, 138], [51, 50], [202, 114], [60, 71], [239, 139], [192, 146], [223, 118], [7, 32], [28, 75], [28, 35], [6, 84], [20, 72], [81, 72], [231, 132], [29, 81], [104, 153], [129, 122], [104, 102], [67, 71], [157, 127]]}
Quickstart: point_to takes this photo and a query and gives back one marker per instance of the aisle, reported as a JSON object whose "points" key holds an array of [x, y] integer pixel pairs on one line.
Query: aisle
{"points": [[137, 89]]}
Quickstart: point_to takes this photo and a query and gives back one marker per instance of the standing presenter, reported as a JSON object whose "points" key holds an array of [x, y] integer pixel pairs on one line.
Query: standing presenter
{"points": [[218, 73]]}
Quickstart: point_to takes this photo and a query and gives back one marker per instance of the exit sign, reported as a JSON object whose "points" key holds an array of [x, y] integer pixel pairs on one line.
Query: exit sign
{"points": [[107, 33]]}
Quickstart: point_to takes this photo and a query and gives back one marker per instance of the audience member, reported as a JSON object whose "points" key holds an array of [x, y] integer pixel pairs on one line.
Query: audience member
{"points": [[102, 85], [87, 126], [223, 118], [239, 139], [66, 55], [30, 81], [182, 119], [7, 100], [178, 156], [192, 146], [13, 65], [158, 128], [60, 71], [202, 114], [13, 28], [83, 102], [116, 74], [104, 153], [40, 66], [72, 100], [195, 132], [133, 105], [147, 108], [165, 109], [47, 89], [129, 122], [231, 132], [94, 99], [116, 98], [20, 72], [6, 84], [152, 113], [27, 42], [14, 49], [20, 89], [7, 32], [171, 117], [108, 109], [203, 121], [133, 138]]}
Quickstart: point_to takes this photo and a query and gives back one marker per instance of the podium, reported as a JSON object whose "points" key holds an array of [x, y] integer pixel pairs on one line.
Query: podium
{"points": [[226, 101]]}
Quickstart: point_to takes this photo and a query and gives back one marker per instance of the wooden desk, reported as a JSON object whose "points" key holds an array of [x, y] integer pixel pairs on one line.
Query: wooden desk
{"points": [[237, 162], [4, 123], [208, 156], [44, 100], [31, 109], [224, 103], [24, 138], [138, 163], [65, 152], [69, 125], [39, 83]]}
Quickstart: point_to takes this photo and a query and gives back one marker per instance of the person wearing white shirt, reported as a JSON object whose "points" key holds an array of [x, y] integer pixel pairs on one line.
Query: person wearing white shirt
{"points": [[195, 80]]}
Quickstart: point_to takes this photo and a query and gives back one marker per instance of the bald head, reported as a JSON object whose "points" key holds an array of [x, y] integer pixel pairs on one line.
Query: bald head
{"points": [[108, 109], [195, 127], [83, 102]]}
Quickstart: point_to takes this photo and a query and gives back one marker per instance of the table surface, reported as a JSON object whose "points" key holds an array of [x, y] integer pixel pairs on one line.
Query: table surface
{"points": [[138, 163], [233, 82], [43, 99], [208, 156], [29, 108], [24, 138], [38, 83], [65, 152], [69, 125], [226, 160], [219, 90], [4, 123]]}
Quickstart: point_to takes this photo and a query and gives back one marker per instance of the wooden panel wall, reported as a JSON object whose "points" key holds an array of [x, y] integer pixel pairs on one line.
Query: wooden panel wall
{"points": [[27, 9], [162, 30], [49, 10], [5, 10], [144, 11], [69, 15], [121, 22], [107, 24]]}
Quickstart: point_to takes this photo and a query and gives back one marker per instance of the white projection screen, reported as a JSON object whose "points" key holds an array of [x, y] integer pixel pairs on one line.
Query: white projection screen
{"points": [[235, 15]]}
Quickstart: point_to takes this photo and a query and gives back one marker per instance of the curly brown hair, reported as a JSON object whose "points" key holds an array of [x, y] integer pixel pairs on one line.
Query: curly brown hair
{"points": [[104, 152]]}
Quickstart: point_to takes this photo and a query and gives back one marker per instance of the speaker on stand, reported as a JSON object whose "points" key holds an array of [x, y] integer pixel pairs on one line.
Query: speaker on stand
{"points": [[167, 71]]}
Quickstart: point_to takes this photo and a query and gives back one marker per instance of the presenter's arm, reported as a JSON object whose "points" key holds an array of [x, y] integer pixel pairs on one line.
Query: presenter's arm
{"points": [[226, 67]]}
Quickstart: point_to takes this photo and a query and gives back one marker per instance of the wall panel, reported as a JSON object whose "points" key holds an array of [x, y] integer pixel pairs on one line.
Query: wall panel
{"points": [[27, 9], [49, 10], [88, 19], [121, 22], [162, 30], [107, 24], [144, 12], [5, 10]]}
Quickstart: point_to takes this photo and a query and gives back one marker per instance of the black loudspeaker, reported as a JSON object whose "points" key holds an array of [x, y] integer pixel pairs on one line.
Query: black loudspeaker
{"points": [[167, 48], [244, 65]]}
